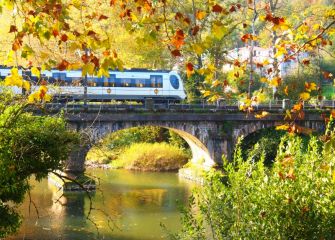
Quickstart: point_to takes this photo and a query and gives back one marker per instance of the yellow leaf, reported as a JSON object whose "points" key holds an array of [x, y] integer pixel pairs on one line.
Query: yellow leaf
{"points": [[280, 51], [14, 71], [14, 79], [275, 82], [102, 72], [31, 98], [305, 96], [36, 72], [262, 18], [310, 86], [288, 115], [266, 62], [26, 85], [218, 30], [263, 114], [215, 83], [283, 127], [206, 93], [197, 48], [88, 69], [47, 98], [264, 80]]}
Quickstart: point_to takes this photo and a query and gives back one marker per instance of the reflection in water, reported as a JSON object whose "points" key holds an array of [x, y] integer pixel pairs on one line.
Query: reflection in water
{"points": [[137, 202]]}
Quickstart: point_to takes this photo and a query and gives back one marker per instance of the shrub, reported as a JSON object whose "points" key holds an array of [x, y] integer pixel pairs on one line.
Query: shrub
{"points": [[295, 199], [152, 157], [29, 146]]}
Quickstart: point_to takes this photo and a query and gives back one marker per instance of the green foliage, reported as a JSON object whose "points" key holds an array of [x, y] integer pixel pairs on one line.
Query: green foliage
{"points": [[264, 143], [152, 157], [192, 85], [29, 145], [292, 200], [296, 80]]}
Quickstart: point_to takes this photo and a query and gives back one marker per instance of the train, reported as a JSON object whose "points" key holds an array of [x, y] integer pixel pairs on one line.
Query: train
{"points": [[131, 84]]}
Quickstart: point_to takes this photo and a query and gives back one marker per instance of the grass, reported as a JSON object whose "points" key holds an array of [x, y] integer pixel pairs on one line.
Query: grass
{"points": [[328, 91], [101, 155], [151, 157]]}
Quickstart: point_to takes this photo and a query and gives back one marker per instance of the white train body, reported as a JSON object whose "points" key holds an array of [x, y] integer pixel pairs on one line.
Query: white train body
{"points": [[125, 85]]}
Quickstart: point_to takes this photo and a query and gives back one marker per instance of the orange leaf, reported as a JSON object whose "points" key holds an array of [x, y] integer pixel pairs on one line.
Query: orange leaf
{"points": [[178, 16], [55, 32], [64, 38], [178, 39], [91, 33], [176, 53], [286, 90], [195, 30], [297, 107], [306, 61], [12, 28], [327, 75], [189, 69], [200, 15], [63, 65], [217, 8], [232, 8], [247, 36], [102, 17]]}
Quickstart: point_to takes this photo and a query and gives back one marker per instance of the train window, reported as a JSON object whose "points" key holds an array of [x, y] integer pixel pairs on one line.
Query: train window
{"points": [[174, 81], [156, 81], [139, 82], [118, 82], [60, 76], [147, 83], [105, 82], [76, 81], [125, 82], [91, 81], [51, 80], [100, 81], [111, 81]]}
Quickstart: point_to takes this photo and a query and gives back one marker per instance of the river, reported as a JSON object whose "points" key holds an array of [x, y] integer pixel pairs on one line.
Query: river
{"points": [[127, 206]]}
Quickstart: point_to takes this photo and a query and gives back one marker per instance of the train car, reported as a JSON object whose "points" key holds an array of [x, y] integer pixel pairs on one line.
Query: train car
{"points": [[133, 84]]}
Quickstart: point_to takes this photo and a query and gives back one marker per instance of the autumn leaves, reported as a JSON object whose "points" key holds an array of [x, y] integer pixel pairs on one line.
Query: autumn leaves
{"points": [[38, 96]]}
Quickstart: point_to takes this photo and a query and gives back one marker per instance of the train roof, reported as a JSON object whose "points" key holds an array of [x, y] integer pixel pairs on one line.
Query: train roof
{"points": [[115, 70]]}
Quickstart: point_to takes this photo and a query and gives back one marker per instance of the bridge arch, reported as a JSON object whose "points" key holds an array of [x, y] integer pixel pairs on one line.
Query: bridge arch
{"points": [[197, 139], [246, 129]]}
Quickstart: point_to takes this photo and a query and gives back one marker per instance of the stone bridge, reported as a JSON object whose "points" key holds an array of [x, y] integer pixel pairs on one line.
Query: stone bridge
{"points": [[209, 135]]}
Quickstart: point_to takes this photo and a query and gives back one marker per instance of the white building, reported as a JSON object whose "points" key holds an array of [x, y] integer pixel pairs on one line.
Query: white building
{"points": [[261, 55]]}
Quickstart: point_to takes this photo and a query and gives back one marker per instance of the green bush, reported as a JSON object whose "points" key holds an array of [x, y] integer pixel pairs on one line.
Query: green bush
{"points": [[152, 157], [267, 141], [295, 199]]}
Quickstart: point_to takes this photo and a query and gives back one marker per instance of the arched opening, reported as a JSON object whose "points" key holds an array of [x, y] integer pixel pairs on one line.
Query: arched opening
{"points": [[266, 141], [164, 147]]}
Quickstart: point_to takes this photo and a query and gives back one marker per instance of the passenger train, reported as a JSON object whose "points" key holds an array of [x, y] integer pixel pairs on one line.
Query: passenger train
{"points": [[133, 84]]}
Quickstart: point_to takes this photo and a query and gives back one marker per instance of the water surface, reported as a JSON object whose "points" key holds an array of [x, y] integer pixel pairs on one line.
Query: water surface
{"points": [[133, 204]]}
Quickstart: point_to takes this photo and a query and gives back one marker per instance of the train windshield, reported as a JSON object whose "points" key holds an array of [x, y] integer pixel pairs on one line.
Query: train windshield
{"points": [[174, 81]]}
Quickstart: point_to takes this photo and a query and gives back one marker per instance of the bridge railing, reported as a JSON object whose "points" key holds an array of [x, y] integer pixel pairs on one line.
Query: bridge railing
{"points": [[222, 105]]}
